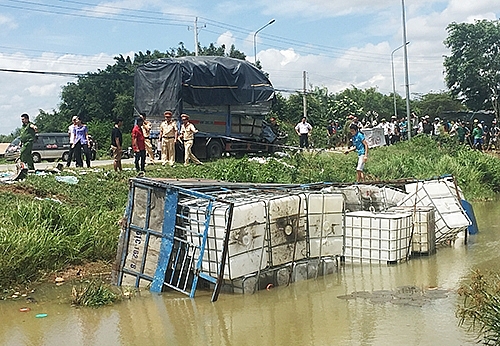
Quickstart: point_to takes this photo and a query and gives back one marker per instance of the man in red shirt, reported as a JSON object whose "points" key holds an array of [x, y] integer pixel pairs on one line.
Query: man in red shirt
{"points": [[139, 146]]}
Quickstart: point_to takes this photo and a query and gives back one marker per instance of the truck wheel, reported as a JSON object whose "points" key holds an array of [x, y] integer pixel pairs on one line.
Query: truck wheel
{"points": [[214, 150], [36, 157], [65, 157]]}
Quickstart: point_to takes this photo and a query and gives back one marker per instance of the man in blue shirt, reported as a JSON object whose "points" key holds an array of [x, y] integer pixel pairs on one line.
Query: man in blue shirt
{"points": [[361, 146]]}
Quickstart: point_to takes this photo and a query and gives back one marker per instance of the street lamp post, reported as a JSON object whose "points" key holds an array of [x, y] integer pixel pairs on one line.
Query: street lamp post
{"points": [[393, 78], [407, 78], [254, 39]]}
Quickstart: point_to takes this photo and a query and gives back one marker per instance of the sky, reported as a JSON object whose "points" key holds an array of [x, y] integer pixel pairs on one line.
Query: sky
{"points": [[338, 43]]}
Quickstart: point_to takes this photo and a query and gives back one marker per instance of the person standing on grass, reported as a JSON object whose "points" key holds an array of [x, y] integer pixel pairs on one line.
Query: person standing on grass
{"points": [[71, 134], [139, 146], [27, 136], [331, 133], [303, 129], [146, 131], [81, 143], [187, 135], [116, 144], [168, 137], [361, 146], [477, 135]]}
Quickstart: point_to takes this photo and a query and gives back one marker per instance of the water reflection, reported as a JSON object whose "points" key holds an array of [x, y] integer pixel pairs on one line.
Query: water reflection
{"points": [[305, 313]]}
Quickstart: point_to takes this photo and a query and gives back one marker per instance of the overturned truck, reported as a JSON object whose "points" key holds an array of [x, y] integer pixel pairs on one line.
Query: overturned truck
{"points": [[227, 100], [237, 237]]}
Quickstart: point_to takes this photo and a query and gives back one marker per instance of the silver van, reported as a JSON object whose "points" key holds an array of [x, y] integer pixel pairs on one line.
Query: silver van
{"points": [[47, 146]]}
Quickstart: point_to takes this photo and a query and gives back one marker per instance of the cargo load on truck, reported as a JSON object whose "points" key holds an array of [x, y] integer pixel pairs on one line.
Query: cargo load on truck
{"points": [[227, 100]]}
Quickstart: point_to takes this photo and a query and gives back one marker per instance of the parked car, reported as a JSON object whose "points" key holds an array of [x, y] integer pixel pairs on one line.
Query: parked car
{"points": [[47, 146]]}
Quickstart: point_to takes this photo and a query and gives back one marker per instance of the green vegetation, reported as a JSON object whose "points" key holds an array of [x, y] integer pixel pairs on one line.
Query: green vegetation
{"points": [[100, 97], [472, 68], [46, 225], [94, 294], [480, 309]]}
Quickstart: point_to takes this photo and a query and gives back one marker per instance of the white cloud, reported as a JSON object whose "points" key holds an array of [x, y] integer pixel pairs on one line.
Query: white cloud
{"points": [[27, 93], [322, 8], [7, 23], [43, 90], [109, 8], [226, 39]]}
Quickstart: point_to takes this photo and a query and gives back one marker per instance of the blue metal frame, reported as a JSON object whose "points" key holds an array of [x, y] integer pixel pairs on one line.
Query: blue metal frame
{"points": [[187, 215], [168, 229]]}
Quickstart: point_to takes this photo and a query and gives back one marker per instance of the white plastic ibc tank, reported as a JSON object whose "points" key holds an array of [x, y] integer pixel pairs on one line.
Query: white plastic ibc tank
{"points": [[142, 252], [436, 188], [424, 228], [137, 261], [246, 254], [287, 226], [325, 224], [392, 196], [377, 236], [450, 218]]}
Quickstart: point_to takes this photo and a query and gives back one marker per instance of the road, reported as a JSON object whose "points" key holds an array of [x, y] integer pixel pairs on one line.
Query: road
{"points": [[48, 165]]}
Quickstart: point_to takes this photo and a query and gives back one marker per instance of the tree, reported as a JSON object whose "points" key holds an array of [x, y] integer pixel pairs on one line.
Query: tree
{"points": [[51, 122], [100, 97], [473, 68], [434, 104]]}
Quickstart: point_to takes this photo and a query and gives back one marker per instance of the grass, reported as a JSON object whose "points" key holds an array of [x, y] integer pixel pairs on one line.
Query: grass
{"points": [[480, 309], [46, 225], [94, 294]]}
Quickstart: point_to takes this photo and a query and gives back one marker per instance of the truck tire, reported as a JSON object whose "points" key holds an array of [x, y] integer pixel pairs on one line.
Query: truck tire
{"points": [[65, 156], [214, 150], [36, 157]]}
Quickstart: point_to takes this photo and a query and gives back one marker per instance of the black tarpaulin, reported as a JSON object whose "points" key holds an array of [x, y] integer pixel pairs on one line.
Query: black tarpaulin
{"points": [[201, 81]]}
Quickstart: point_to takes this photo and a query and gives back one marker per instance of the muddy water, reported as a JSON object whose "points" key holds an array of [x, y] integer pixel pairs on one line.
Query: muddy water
{"points": [[305, 313]]}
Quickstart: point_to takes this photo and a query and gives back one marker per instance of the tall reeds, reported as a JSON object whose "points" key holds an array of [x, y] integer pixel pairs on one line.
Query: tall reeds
{"points": [[480, 309]]}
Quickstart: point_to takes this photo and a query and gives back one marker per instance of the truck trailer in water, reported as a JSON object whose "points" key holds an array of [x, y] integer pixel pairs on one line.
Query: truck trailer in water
{"points": [[239, 238]]}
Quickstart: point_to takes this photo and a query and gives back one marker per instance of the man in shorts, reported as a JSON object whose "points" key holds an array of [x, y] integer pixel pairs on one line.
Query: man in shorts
{"points": [[361, 146]]}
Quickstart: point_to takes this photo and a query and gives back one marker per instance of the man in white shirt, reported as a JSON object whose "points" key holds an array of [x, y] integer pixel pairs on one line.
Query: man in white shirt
{"points": [[71, 140], [303, 129]]}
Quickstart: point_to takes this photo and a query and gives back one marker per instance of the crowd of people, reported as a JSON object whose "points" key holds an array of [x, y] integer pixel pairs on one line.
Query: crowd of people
{"points": [[142, 145], [477, 134]]}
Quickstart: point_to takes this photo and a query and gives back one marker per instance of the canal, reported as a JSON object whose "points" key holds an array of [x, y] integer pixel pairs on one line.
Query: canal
{"points": [[305, 313]]}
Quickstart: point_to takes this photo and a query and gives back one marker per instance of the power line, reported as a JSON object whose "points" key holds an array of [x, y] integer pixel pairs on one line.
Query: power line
{"points": [[151, 18], [53, 73], [54, 9]]}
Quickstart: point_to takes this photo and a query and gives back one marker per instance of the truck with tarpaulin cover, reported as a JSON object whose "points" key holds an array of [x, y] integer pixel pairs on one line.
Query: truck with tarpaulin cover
{"points": [[227, 100]]}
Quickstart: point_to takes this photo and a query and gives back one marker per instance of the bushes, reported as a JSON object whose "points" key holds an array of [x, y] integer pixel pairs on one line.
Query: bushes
{"points": [[46, 225], [478, 174], [39, 236], [480, 309]]}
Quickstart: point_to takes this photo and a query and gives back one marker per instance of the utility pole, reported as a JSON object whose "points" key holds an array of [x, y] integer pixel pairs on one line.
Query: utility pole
{"points": [[195, 36], [304, 99], [407, 78]]}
